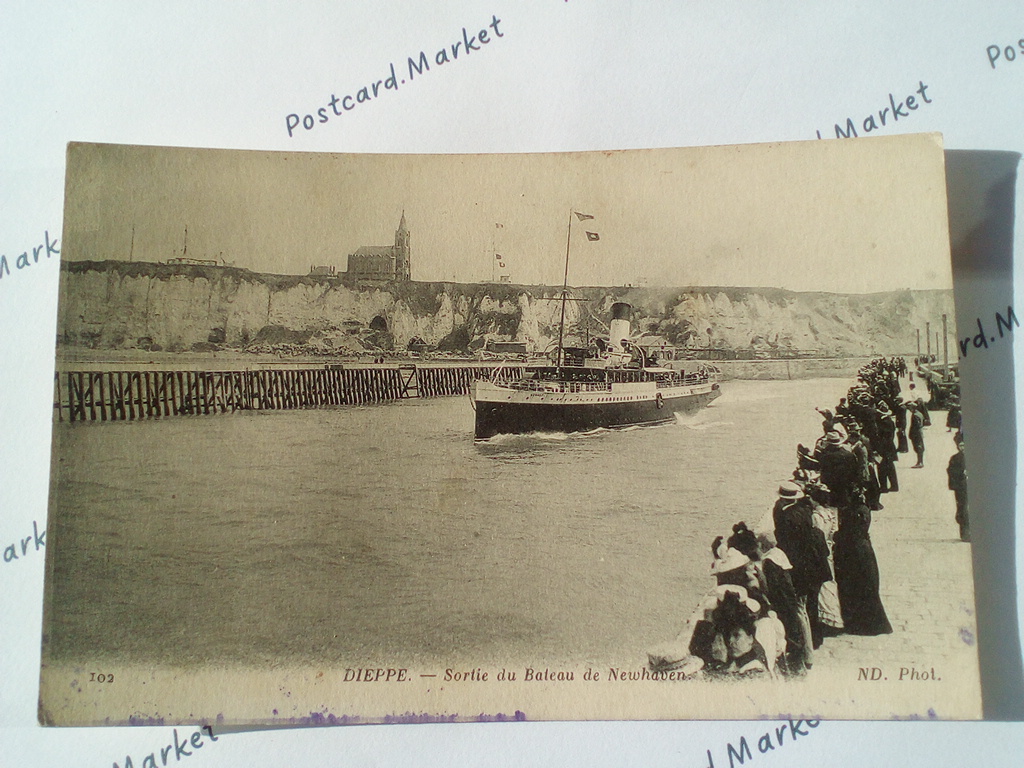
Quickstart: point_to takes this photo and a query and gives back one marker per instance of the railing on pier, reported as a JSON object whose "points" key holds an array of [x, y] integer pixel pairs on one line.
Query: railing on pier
{"points": [[943, 383], [133, 395]]}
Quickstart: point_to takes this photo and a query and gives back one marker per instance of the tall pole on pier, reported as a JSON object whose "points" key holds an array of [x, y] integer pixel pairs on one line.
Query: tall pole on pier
{"points": [[918, 342], [928, 338], [945, 348]]}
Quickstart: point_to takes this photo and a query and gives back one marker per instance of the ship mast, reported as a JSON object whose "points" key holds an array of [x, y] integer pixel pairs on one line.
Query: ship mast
{"points": [[565, 292]]}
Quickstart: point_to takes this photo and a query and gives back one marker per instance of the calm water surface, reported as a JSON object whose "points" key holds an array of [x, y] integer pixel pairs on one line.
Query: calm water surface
{"points": [[384, 534]]}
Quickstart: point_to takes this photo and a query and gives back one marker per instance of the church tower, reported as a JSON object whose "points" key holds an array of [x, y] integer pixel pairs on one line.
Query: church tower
{"points": [[402, 269]]}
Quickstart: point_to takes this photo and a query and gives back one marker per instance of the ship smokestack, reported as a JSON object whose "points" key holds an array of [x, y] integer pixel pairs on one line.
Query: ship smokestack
{"points": [[618, 331]]}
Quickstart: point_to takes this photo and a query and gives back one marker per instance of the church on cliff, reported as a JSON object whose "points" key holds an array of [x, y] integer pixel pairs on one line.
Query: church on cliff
{"points": [[382, 262]]}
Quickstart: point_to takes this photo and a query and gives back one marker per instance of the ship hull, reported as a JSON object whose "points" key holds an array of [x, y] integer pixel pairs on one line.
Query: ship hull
{"points": [[501, 412]]}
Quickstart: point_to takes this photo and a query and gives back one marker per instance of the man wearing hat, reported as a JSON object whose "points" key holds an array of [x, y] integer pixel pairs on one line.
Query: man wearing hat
{"points": [[807, 550], [867, 480], [917, 431], [957, 474], [838, 468], [900, 415], [916, 397], [886, 430], [953, 416]]}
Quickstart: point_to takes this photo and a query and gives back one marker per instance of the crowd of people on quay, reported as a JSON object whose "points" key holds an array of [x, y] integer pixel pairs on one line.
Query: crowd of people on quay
{"points": [[808, 570]]}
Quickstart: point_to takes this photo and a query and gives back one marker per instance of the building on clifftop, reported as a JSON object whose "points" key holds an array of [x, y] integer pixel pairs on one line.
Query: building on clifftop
{"points": [[382, 262]]}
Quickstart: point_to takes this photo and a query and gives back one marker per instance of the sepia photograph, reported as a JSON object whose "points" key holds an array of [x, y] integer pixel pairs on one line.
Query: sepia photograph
{"points": [[638, 434]]}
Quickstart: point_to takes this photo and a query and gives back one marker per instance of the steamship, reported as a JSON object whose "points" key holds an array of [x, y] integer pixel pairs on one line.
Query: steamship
{"points": [[609, 386]]}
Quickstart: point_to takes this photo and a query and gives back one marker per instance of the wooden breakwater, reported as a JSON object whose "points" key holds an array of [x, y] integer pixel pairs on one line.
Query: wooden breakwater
{"points": [[133, 395]]}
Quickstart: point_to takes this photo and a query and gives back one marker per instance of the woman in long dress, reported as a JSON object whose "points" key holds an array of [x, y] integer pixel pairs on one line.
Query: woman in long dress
{"points": [[856, 572], [830, 613]]}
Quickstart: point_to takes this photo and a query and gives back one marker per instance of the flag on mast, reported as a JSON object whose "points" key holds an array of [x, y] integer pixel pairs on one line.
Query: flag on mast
{"points": [[591, 236], [498, 257]]}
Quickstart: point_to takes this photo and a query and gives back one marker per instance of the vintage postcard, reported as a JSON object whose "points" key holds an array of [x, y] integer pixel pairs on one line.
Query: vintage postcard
{"points": [[646, 434]]}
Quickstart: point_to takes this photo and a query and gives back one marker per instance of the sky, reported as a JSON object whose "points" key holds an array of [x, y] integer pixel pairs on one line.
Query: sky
{"points": [[852, 216]]}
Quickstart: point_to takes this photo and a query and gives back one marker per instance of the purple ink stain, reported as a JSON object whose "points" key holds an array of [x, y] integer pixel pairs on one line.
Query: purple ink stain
{"points": [[420, 717], [932, 715], [328, 718], [501, 717], [319, 718], [134, 720], [967, 636]]}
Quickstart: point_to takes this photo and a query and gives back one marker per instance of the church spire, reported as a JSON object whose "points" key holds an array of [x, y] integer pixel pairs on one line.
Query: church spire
{"points": [[402, 251]]}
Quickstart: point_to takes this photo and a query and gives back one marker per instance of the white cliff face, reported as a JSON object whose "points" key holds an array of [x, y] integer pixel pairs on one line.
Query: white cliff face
{"points": [[127, 305], [529, 327]]}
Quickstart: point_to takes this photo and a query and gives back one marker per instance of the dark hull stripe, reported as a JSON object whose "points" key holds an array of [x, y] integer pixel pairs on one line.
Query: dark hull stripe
{"points": [[522, 418]]}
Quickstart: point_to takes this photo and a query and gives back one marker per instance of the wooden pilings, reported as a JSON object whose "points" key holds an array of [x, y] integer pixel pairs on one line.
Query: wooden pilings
{"points": [[133, 395]]}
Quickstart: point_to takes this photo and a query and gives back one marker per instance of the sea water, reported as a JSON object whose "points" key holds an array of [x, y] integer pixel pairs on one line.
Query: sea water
{"points": [[384, 535]]}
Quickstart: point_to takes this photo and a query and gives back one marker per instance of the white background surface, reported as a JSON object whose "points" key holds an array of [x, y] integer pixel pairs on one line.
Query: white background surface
{"points": [[566, 75]]}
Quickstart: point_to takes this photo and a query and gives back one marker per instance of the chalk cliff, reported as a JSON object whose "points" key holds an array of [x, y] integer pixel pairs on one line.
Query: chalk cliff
{"points": [[123, 305]]}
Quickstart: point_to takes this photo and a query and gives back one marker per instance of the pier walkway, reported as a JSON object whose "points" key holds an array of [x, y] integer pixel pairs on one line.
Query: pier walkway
{"points": [[927, 583]]}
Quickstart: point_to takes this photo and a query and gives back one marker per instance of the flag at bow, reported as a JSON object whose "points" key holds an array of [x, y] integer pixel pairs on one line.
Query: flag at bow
{"points": [[582, 216]]}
